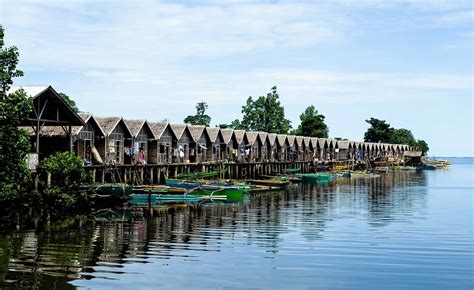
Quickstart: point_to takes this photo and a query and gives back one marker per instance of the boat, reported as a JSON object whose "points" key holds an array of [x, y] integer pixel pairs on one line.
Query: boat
{"points": [[233, 193], [291, 170], [200, 175], [172, 198], [182, 183], [163, 189], [425, 167], [109, 189], [315, 177], [270, 182]]}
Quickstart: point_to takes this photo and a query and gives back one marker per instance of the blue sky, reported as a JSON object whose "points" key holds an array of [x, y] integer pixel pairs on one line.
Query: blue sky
{"points": [[407, 62]]}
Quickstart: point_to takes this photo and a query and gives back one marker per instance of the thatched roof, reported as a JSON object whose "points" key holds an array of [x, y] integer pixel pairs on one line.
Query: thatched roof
{"points": [[178, 130], [108, 124], [55, 110], [322, 142], [227, 135], [196, 131], [263, 137], [299, 141], [413, 153], [239, 136], [271, 138], [251, 137], [307, 142], [343, 144], [134, 126], [291, 140], [55, 131], [213, 133], [281, 139], [158, 129]]}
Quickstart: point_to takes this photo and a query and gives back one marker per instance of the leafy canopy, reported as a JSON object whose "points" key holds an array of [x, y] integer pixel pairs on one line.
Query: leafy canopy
{"points": [[312, 124], [379, 131], [70, 102], [14, 142], [265, 114], [403, 136], [200, 118]]}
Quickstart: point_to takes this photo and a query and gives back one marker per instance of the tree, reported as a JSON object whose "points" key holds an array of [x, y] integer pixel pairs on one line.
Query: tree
{"points": [[200, 118], [265, 114], [422, 146], [14, 142], [312, 124], [236, 125], [402, 136], [70, 102], [380, 131]]}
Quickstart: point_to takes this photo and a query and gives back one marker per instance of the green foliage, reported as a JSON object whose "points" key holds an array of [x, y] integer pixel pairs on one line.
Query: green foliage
{"points": [[200, 118], [380, 131], [70, 102], [402, 136], [422, 146], [14, 142], [265, 114], [8, 61], [312, 124], [67, 174]]}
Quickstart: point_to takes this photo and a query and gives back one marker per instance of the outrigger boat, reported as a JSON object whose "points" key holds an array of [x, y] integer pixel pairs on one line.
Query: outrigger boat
{"points": [[315, 177], [109, 189]]}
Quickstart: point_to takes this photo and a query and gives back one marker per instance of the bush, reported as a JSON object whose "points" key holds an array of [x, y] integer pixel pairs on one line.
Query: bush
{"points": [[67, 174]]}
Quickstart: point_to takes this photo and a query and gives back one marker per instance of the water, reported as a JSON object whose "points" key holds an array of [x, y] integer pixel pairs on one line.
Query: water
{"points": [[404, 230]]}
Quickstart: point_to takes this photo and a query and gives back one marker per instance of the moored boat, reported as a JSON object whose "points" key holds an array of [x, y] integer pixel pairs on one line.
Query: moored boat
{"points": [[315, 177]]}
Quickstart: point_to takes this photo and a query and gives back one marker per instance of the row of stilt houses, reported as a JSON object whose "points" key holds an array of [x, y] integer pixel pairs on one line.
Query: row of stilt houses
{"points": [[106, 140], [120, 141]]}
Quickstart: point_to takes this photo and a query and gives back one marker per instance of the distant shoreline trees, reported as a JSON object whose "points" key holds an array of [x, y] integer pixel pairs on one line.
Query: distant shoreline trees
{"points": [[381, 131]]}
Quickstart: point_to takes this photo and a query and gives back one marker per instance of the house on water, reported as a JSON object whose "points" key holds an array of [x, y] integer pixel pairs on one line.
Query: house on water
{"points": [[142, 140], [49, 110], [118, 140], [183, 148], [228, 145], [252, 144], [201, 144], [161, 149], [283, 147], [272, 147], [216, 139], [239, 139]]}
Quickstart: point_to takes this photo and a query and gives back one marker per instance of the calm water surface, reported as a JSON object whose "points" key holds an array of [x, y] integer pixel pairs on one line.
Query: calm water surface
{"points": [[404, 230]]}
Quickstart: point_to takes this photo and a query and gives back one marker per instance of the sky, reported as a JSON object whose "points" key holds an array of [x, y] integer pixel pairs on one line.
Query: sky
{"points": [[407, 62]]}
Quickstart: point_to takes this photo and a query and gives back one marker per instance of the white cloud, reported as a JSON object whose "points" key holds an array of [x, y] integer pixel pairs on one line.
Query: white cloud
{"points": [[456, 18]]}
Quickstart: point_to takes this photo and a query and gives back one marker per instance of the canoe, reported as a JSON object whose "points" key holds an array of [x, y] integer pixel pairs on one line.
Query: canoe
{"points": [[182, 183], [233, 194], [270, 182], [292, 170], [109, 189], [163, 189], [172, 198], [425, 167], [315, 177]]}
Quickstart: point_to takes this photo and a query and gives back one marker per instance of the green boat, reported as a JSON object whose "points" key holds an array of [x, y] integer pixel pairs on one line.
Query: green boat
{"points": [[315, 177], [425, 167], [291, 170], [233, 194]]}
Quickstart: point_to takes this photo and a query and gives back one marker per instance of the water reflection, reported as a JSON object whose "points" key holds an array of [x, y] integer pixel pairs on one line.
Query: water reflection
{"points": [[101, 247]]}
